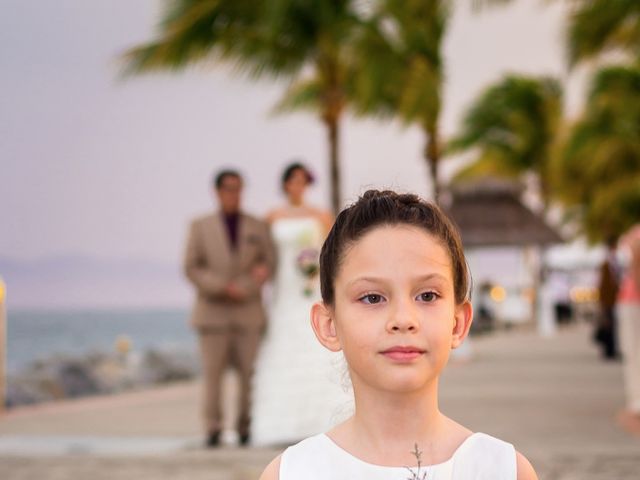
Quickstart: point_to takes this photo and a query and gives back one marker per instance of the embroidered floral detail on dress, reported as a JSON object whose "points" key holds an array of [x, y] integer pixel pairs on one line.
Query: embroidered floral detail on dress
{"points": [[415, 475]]}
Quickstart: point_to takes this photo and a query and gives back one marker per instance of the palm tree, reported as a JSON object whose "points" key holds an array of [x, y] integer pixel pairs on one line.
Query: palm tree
{"points": [[400, 61], [307, 42], [599, 26], [513, 126], [599, 170], [598, 173], [401, 51]]}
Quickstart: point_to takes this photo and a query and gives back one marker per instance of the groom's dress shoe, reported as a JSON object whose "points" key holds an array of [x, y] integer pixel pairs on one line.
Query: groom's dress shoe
{"points": [[213, 439]]}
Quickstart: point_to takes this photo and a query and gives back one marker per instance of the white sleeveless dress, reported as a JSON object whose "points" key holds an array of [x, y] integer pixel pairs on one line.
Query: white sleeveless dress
{"points": [[480, 457], [298, 385]]}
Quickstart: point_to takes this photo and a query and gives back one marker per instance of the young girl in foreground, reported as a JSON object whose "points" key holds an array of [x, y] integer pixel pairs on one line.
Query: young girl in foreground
{"points": [[395, 291]]}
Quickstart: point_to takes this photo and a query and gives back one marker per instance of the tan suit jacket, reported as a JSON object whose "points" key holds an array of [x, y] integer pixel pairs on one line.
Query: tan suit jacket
{"points": [[211, 263]]}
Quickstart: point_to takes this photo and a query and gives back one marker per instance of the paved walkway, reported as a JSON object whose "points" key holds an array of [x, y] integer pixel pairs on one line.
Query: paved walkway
{"points": [[553, 398]]}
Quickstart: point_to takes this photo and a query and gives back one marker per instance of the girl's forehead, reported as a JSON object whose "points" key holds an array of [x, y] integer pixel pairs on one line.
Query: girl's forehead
{"points": [[398, 235], [393, 244]]}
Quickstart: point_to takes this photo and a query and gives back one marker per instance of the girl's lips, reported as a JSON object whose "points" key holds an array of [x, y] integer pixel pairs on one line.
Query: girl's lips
{"points": [[403, 353]]}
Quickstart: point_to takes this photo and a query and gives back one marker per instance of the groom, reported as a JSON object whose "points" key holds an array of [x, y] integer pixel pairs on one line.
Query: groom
{"points": [[229, 256]]}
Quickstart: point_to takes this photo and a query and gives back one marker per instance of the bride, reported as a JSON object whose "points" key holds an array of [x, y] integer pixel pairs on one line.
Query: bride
{"points": [[296, 394]]}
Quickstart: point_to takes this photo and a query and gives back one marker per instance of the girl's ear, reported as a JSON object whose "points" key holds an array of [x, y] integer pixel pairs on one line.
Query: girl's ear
{"points": [[324, 326], [463, 318]]}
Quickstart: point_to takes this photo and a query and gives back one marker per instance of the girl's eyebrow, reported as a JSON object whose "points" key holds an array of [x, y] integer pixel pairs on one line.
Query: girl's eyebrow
{"points": [[421, 278], [366, 279], [432, 276]]}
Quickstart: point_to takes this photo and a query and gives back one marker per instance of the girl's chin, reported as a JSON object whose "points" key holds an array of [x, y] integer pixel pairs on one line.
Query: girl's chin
{"points": [[409, 386]]}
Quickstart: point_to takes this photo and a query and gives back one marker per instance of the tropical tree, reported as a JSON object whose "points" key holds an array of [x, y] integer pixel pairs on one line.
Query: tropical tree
{"points": [[513, 126], [401, 51], [599, 26], [598, 173], [307, 42], [401, 68], [384, 56]]}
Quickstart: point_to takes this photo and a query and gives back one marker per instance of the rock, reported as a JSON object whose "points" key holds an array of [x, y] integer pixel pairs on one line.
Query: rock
{"points": [[61, 376], [162, 367], [77, 379], [114, 375], [25, 391]]}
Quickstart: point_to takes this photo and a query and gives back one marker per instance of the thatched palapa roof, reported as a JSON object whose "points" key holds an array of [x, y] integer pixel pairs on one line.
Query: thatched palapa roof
{"points": [[490, 213]]}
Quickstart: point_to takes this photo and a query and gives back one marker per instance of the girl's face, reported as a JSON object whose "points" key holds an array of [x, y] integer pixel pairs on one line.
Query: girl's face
{"points": [[296, 185], [394, 317]]}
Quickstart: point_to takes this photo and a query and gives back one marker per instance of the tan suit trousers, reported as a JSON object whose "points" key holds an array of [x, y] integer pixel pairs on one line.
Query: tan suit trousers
{"points": [[219, 348]]}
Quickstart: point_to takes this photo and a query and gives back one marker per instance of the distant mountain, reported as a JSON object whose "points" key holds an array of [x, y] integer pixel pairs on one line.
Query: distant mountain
{"points": [[76, 281]]}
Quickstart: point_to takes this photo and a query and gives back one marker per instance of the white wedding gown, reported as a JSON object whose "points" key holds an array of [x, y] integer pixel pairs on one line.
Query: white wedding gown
{"points": [[299, 387]]}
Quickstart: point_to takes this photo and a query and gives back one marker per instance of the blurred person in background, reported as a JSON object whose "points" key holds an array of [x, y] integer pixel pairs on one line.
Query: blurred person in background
{"points": [[229, 256], [608, 287], [297, 388], [628, 310]]}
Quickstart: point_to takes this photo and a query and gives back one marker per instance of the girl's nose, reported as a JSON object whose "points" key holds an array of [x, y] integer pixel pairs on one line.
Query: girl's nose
{"points": [[403, 317]]}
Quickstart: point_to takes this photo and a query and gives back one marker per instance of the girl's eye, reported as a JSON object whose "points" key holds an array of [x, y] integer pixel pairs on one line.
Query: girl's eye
{"points": [[428, 297], [371, 298]]}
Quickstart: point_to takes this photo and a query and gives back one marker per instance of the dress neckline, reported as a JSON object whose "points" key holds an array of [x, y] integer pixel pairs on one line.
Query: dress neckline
{"points": [[293, 218], [352, 457]]}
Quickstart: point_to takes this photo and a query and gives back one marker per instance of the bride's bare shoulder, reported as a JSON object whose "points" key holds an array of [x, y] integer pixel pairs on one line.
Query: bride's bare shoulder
{"points": [[325, 217], [272, 472]]}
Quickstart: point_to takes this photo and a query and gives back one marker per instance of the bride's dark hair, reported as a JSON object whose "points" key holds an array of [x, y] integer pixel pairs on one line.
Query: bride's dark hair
{"points": [[291, 169], [381, 208]]}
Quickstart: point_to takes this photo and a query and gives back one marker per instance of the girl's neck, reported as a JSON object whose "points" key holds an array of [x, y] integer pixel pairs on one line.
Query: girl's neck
{"points": [[385, 428], [392, 417]]}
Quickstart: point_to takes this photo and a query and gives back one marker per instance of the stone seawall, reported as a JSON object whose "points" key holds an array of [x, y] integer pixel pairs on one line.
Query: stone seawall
{"points": [[98, 373]]}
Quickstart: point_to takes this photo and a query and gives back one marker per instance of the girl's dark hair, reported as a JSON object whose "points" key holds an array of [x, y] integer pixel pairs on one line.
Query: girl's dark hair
{"points": [[291, 169], [379, 208]]}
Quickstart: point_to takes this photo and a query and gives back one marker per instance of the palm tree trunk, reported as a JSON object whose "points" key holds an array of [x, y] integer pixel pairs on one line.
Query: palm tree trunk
{"points": [[333, 129], [432, 156], [333, 106]]}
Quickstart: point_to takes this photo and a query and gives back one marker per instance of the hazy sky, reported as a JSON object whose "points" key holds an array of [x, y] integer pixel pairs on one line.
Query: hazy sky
{"points": [[94, 165]]}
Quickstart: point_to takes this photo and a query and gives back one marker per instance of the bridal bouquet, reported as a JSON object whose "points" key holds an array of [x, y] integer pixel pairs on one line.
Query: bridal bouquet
{"points": [[308, 265]]}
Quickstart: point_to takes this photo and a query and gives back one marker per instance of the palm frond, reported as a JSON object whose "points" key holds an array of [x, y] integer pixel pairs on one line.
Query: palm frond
{"points": [[420, 97], [192, 30], [303, 94], [598, 26], [488, 164], [613, 210], [513, 124], [399, 55], [599, 169]]}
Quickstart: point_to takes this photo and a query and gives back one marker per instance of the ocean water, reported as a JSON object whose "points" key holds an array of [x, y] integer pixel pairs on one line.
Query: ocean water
{"points": [[33, 335]]}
